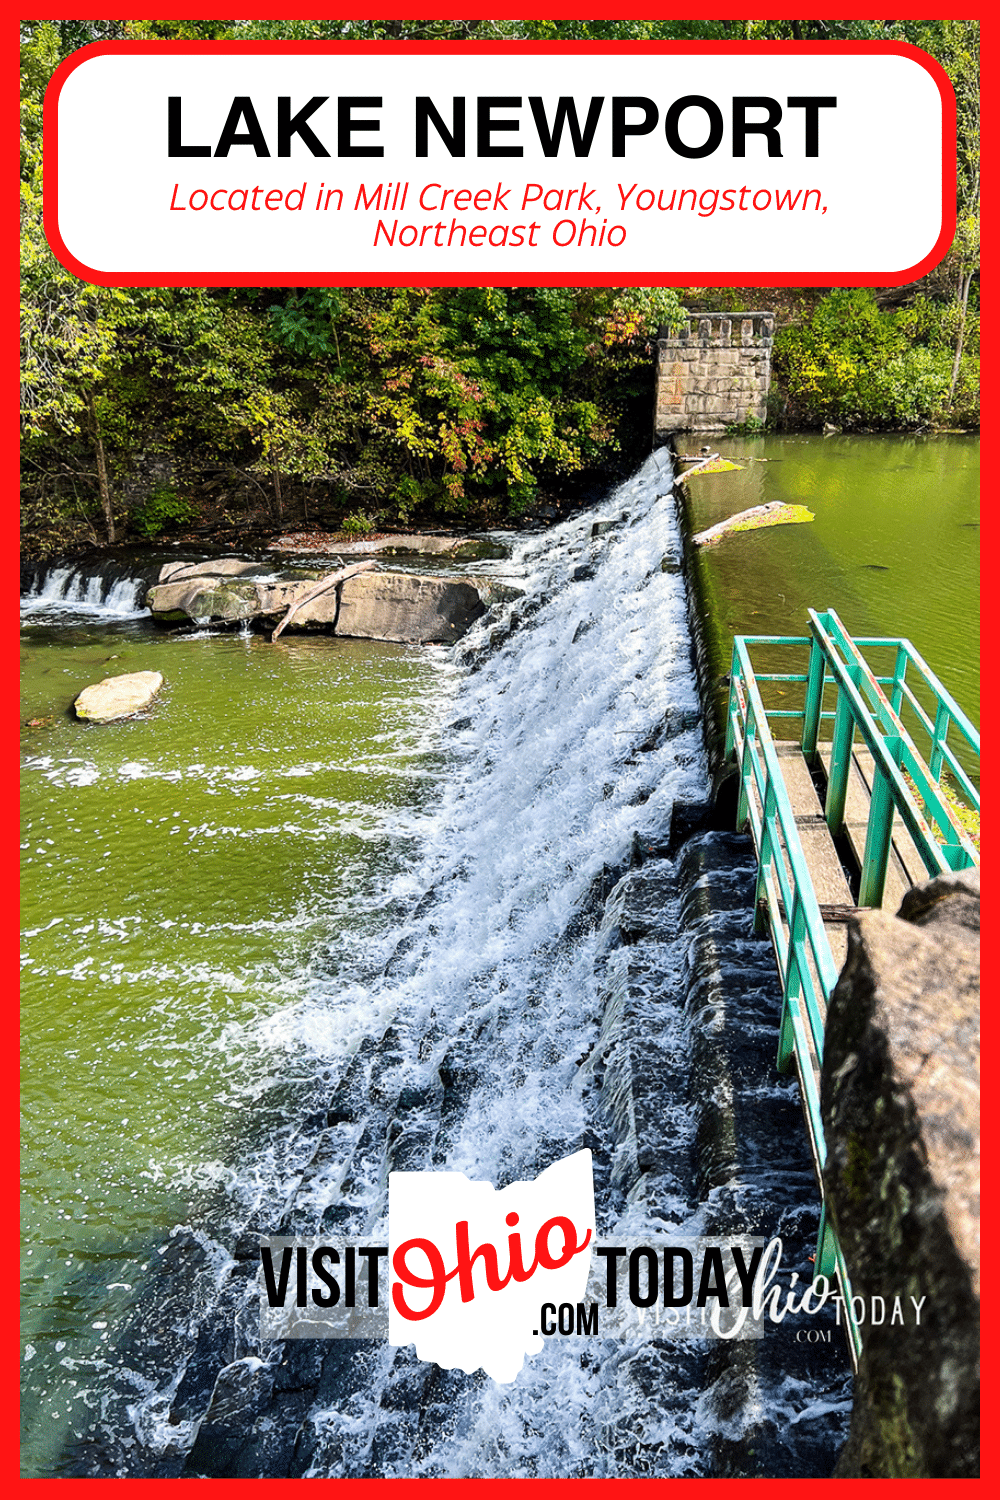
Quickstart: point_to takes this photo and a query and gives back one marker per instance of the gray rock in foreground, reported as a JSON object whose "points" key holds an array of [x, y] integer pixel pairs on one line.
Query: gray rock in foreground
{"points": [[118, 697], [901, 1115]]}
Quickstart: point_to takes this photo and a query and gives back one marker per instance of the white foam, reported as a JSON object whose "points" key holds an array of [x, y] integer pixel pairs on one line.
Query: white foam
{"points": [[68, 590]]}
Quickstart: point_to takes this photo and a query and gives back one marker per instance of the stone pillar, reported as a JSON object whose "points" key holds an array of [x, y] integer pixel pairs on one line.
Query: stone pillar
{"points": [[713, 372]]}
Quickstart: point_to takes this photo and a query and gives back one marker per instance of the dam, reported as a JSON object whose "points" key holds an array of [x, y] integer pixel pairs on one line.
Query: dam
{"points": [[558, 955]]}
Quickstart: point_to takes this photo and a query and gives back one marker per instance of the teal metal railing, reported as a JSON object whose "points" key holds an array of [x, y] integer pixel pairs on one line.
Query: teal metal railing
{"points": [[904, 782]]}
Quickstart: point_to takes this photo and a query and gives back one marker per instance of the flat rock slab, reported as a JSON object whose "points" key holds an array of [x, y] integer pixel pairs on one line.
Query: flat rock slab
{"points": [[118, 697], [211, 567], [393, 544], [399, 541]]}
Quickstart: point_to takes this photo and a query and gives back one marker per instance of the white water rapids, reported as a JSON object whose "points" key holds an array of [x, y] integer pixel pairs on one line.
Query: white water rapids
{"points": [[71, 590]]}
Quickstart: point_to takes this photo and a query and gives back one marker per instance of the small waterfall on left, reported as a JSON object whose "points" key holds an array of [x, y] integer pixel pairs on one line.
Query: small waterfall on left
{"points": [[116, 590]]}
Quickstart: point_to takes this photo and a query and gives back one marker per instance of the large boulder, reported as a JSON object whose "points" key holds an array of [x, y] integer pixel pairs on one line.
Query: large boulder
{"points": [[405, 607], [900, 1096], [118, 697], [214, 601]]}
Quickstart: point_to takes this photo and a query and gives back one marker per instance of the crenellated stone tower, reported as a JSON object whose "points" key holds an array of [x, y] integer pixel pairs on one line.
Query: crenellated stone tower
{"points": [[713, 372]]}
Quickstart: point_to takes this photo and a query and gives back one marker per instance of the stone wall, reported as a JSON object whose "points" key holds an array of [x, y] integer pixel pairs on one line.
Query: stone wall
{"points": [[713, 372], [901, 1116]]}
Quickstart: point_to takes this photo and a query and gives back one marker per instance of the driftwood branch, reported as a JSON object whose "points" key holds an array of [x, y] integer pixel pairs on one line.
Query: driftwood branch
{"points": [[702, 538], [321, 586]]}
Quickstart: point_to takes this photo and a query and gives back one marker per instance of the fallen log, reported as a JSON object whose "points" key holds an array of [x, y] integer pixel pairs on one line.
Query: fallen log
{"points": [[695, 467], [774, 513], [321, 586]]}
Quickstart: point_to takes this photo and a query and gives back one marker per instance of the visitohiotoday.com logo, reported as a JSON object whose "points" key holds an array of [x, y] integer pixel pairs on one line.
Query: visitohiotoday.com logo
{"points": [[479, 1278]]}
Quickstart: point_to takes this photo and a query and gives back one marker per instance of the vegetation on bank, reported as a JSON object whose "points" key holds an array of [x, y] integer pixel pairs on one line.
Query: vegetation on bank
{"points": [[146, 411], [861, 366]]}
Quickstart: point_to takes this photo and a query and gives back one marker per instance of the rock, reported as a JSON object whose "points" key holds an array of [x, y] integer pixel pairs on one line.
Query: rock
{"points": [[212, 567], [900, 1095], [406, 607], [199, 598], [118, 697], [952, 898], [393, 543], [676, 720], [242, 1390], [376, 606], [492, 591], [479, 549], [403, 544]]}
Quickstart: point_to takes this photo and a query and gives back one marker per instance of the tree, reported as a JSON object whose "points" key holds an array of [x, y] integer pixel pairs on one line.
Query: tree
{"points": [[69, 330]]}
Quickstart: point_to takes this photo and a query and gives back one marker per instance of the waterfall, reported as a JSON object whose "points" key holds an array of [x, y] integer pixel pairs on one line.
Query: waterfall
{"points": [[570, 969], [59, 589]]}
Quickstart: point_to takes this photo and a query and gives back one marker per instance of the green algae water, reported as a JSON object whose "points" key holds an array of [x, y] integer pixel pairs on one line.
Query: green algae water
{"points": [[894, 548], [193, 882]]}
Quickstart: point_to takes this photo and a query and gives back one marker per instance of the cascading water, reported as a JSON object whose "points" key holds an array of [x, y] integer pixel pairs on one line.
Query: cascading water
{"points": [[68, 589], [557, 937]]}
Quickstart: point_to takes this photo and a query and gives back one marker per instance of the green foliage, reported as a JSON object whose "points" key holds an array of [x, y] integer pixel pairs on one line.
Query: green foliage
{"points": [[967, 816], [164, 510], [358, 524], [857, 365], [751, 427], [458, 402], [719, 299]]}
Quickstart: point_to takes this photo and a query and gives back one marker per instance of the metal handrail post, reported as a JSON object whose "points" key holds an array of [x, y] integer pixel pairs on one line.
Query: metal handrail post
{"points": [[815, 681], [764, 859], [878, 839], [942, 719], [826, 1246], [792, 988], [732, 708], [841, 750], [786, 1035], [898, 678], [746, 764]]}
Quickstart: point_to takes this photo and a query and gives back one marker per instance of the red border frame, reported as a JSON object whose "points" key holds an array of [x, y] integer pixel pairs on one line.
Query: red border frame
{"points": [[474, 278]]}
